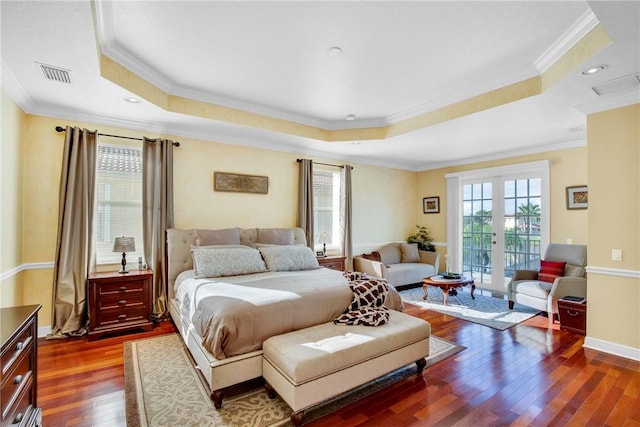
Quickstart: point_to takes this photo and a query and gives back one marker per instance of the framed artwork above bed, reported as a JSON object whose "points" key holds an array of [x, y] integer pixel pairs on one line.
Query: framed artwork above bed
{"points": [[240, 183]]}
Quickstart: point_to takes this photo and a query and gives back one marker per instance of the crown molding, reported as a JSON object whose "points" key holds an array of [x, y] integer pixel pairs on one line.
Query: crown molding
{"points": [[567, 40], [605, 103], [508, 154], [15, 90]]}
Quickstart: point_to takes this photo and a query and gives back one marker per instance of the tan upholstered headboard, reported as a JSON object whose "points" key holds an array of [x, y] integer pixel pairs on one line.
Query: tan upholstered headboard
{"points": [[179, 243]]}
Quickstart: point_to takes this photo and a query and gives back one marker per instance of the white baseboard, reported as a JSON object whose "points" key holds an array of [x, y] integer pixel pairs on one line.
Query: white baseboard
{"points": [[612, 348], [43, 331]]}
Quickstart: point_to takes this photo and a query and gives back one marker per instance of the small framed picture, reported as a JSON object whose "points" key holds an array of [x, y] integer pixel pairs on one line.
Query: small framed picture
{"points": [[320, 254], [577, 197], [431, 205]]}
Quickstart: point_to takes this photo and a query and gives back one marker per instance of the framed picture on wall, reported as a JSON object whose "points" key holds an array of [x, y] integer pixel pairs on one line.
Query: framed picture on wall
{"points": [[577, 197], [431, 205]]}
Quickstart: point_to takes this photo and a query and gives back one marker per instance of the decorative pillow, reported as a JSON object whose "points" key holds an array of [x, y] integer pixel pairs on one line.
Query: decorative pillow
{"points": [[227, 236], [289, 258], [549, 270], [373, 256], [220, 247], [220, 261], [266, 245], [276, 236], [410, 252]]}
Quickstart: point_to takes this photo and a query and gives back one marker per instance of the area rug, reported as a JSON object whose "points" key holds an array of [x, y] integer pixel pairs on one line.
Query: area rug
{"points": [[487, 311], [162, 388]]}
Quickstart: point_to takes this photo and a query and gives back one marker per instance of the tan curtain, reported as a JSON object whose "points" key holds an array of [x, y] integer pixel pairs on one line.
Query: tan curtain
{"points": [[75, 254], [305, 200], [345, 216], [157, 213]]}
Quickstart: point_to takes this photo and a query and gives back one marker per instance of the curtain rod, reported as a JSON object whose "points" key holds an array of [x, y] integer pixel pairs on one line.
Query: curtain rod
{"points": [[61, 129], [326, 164]]}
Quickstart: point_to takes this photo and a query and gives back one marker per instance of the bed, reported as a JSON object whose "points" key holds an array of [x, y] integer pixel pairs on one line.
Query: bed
{"points": [[288, 292]]}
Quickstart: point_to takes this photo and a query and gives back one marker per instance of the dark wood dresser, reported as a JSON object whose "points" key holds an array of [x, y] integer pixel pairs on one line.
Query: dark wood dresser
{"points": [[119, 302], [19, 396]]}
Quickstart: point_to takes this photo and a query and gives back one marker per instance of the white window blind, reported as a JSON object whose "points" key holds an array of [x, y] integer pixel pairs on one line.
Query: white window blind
{"points": [[326, 209], [119, 201]]}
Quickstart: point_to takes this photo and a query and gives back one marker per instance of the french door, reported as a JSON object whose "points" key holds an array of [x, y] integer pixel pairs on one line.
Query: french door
{"points": [[502, 223]]}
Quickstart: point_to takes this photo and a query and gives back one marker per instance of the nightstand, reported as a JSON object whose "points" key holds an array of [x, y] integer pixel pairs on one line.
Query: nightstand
{"points": [[332, 262], [573, 316], [119, 302]]}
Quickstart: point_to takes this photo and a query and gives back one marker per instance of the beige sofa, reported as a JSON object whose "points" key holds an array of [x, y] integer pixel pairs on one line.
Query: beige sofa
{"points": [[399, 263]]}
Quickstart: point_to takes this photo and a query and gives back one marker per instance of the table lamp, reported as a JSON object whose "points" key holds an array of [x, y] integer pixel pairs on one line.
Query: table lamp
{"points": [[124, 244]]}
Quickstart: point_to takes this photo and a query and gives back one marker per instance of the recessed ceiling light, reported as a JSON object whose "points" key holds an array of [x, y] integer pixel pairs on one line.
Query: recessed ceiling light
{"points": [[355, 142], [596, 69], [350, 117], [132, 100], [335, 51]]}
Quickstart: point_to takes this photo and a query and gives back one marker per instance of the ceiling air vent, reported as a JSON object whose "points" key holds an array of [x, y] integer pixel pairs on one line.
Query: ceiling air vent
{"points": [[617, 85], [55, 74]]}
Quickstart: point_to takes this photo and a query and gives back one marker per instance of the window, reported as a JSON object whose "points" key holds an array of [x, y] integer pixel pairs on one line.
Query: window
{"points": [[326, 209], [119, 201]]}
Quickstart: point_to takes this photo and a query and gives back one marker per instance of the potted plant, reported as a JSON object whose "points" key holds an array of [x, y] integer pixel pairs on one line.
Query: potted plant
{"points": [[423, 239]]}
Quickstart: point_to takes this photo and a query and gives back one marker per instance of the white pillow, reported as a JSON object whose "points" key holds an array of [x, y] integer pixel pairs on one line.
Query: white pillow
{"points": [[289, 258], [220, 261]]}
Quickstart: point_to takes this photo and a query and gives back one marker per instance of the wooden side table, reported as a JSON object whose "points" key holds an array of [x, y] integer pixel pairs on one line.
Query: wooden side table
{"points": [[332, 262], [119, 302], [573, 316]]}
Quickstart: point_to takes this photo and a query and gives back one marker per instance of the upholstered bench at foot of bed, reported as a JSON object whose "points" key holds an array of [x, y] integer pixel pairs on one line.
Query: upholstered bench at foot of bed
{"points": [[311, 365]]}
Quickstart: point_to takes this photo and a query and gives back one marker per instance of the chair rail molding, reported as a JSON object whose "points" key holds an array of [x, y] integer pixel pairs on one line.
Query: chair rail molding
{"points": [[27, 266], [606, 271]]}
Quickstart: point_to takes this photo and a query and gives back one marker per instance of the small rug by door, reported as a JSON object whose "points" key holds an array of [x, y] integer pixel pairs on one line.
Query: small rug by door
{"points": [[488, 311], [163, 388]]}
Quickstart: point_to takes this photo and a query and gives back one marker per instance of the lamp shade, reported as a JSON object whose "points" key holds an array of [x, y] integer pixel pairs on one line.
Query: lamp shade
{"points": [[124, 244]]}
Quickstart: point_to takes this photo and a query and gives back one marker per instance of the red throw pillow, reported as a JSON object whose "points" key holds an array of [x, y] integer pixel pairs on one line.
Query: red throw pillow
{"points": [[549, 270]]}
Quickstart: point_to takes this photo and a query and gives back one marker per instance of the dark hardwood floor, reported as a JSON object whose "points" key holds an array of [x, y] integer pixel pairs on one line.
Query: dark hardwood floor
{"points": [[527, 375]]}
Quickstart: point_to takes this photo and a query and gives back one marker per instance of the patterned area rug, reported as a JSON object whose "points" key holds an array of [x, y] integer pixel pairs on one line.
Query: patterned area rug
{"points": [[488, 311], [162, 388]]}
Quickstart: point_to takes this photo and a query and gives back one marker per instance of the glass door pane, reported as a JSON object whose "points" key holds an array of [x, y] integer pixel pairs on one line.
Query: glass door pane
{"points": [[477, 231], [522, 225]]}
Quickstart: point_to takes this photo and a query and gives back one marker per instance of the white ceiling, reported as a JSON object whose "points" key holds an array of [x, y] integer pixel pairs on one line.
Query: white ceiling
{"points": [[399, 60]]}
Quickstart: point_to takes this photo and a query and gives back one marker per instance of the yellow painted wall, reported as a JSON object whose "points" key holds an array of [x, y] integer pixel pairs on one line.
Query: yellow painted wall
{"points": [[11, 157], [568, 168], [196, 160], [387, 204], [196, 204], [614, 223]]}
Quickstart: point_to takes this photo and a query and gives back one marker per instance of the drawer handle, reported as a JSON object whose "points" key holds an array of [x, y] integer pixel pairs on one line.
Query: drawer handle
{"points": [[573, 313], [122, 288], [122, 302], [122, 316], [18, 418], [19, 346], [18, 379]]}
